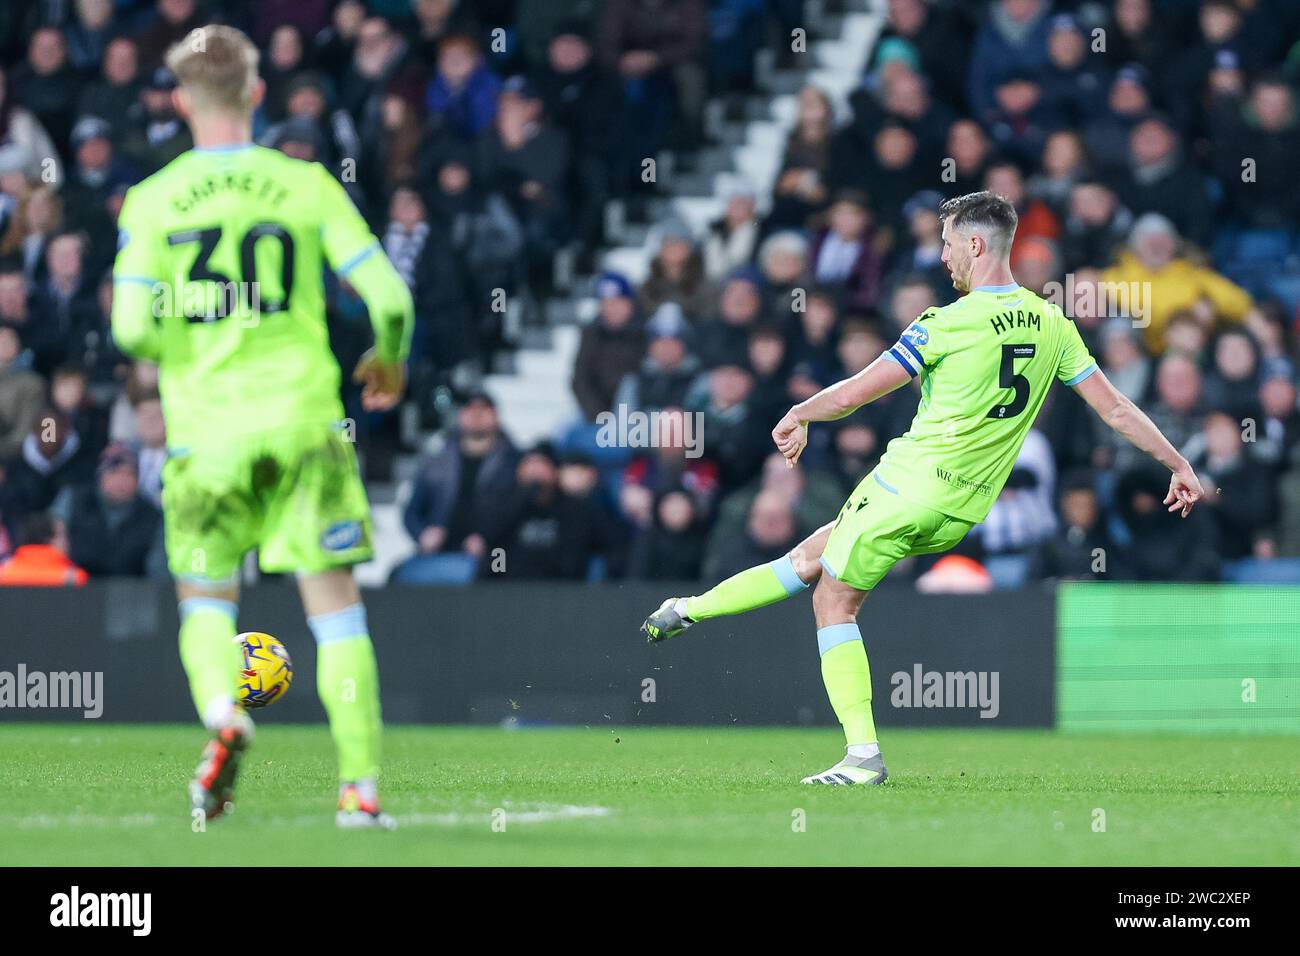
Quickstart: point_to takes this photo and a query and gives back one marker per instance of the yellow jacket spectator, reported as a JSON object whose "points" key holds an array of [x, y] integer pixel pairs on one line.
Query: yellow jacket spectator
{"points": [[1156, 283]]}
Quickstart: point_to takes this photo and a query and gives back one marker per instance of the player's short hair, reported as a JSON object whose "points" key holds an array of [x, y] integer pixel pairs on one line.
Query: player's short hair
{"points": [[217, 66], [986, 212]]}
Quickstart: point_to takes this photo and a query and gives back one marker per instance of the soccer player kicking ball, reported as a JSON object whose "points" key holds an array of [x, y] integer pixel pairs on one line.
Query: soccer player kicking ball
{"points": [[985, 364], [219, 279]]}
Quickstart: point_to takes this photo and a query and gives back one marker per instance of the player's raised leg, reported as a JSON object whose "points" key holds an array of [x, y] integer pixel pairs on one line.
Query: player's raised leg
{"points": [[752, 588], [848, 683], [347, 679], [212, 662]]}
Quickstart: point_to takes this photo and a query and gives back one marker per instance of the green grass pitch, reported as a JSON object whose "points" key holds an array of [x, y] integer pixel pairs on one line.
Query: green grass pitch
{"points": [[90, 794]]}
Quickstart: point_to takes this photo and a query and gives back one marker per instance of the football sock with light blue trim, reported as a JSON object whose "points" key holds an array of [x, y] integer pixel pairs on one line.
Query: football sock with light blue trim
{"points": [[752, 588], [347, 680], [211, 657], [848, 681]]}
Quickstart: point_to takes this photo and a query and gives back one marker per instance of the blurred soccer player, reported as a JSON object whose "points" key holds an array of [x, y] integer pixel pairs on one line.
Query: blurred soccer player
{"points": [[985, 363], [219, 279]]}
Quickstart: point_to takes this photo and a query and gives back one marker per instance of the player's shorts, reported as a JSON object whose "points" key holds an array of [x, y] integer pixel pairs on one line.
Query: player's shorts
{"points": [[295, 494], [877, 528]]}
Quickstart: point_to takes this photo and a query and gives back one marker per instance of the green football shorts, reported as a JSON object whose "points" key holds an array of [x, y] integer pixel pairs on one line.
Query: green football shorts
{"points": [[294, 494], [877, 528]]}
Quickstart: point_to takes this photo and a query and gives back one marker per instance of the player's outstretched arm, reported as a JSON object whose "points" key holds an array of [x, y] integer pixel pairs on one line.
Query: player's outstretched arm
{"points": [[1129, 421], [356, 256], [836, 401], [136, 272]]}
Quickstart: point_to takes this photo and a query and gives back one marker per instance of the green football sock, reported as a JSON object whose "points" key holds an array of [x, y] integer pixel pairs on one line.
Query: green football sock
{"points": [[211, 657], [754, 587], [347, 680], [848, 680]]}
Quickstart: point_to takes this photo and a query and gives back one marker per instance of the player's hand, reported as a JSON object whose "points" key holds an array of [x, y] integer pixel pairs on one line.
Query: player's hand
{"points": [[382, 383], [791, 437], [1184, 491]]}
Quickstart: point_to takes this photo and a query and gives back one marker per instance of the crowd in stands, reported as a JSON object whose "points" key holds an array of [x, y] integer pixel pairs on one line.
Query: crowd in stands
{"points": [[1148, 145]]}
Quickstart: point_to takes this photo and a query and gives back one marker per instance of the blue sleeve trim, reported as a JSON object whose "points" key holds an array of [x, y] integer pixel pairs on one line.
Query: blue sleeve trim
{"points": [[1082, 375], [884, 484], [906, 363], [356, 260], [136, 280]]}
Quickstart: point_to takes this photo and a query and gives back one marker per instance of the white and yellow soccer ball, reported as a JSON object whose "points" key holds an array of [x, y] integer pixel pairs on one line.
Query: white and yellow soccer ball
{"points": [[267, 672]]}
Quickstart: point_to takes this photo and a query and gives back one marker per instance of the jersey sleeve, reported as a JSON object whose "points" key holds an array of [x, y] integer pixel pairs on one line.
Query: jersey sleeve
{"points": [[1076, 362], [355, 254], [921, 346], [137, 273]]}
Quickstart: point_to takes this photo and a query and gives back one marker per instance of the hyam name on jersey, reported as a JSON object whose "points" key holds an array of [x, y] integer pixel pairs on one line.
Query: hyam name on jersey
{"points": [[262, 189], [1019, 319]]}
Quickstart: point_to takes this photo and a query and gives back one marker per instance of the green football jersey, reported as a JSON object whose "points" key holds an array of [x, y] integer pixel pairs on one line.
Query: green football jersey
{"points": [[219, 279], [985, 362]]}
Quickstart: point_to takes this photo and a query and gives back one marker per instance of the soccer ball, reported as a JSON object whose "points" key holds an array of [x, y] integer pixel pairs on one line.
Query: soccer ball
{"points": [[267, 672]]}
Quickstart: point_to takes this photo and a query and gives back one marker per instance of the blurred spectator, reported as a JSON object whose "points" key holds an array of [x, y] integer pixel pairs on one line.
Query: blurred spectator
{"points": [[1232, 384], [1154, 547], [551, 526], [655, 47], [801, 184], [1168, 283], [668, 368], [1096, 225], [63, 306], [611, 348], [46, 83], [175, 18], [151, 454], [25, 145], [1124, 361], [117, 90], [157, 135], [671, 548], [769, 533], [677, 273], [783, 260], [457, 487], [724, 337], [1023, 516], [70, 395], [1266, 128], [1073, 82], [1064, 165], [41, 558], [21, 394], [733, 238], [1160, 180], [112, 528], [733, 435], [463, 92], [1177, 410], [1241, 495], [527, 160], [1012, 42], [1083, 549], [849, 252], [586, 103]]}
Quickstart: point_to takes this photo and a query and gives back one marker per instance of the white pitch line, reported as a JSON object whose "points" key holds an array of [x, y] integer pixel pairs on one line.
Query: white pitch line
{"points": [[538, 813]]}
